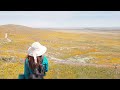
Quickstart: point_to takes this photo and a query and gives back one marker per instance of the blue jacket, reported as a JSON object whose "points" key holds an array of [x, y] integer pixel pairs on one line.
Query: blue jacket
{"points": [[28, 71]]}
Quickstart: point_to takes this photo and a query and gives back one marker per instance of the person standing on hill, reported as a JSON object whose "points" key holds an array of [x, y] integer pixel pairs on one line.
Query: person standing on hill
{"points": [[36, 63]]}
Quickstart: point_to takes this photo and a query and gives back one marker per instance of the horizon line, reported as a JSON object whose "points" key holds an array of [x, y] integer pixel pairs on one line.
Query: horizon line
{"points": [[62, 27]]}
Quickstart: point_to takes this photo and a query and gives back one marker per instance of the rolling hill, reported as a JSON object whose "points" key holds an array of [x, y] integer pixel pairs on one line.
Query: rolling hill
{"points": [[76, 49]]}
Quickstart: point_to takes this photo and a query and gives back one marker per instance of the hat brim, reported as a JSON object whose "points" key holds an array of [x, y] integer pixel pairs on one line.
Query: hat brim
{"points": [[39, 52]]}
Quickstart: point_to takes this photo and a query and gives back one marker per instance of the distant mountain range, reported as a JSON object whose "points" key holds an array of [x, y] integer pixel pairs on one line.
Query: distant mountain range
{"points": [[13, 26], [19, 27]]}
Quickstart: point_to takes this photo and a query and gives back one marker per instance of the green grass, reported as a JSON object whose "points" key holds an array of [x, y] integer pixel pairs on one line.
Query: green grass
{"points": [[61, 71]]}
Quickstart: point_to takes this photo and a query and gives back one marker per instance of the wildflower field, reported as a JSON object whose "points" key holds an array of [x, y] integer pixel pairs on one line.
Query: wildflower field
{"points": [[76, 54]]}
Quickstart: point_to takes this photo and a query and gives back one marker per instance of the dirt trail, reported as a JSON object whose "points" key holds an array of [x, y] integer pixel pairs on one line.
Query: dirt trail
{"points": [[56, 60]]}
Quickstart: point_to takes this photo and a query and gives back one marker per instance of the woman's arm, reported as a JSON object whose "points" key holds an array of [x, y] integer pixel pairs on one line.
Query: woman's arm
{"points": [[45, 63], [26, 69]]}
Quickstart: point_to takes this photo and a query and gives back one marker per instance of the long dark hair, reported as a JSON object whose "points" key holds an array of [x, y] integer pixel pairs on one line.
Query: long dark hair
{"points": [[32, 64]]}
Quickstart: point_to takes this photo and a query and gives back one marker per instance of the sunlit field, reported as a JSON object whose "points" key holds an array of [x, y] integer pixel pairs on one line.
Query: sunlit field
{"points": [[72, 54]]}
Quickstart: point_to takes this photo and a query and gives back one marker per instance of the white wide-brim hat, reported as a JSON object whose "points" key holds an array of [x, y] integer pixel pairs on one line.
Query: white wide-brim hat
{"points": [[36, 49]]}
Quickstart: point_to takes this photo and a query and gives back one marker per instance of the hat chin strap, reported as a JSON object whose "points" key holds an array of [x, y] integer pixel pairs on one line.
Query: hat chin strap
{"points": [[35, 57]]}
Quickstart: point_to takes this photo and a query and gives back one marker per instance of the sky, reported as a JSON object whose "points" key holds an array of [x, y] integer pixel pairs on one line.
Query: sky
{"points": [[61, 19]]}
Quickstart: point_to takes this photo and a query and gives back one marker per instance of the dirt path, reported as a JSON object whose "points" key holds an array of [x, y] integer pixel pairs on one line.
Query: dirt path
{"points": [[90, 31], [56, 60]]}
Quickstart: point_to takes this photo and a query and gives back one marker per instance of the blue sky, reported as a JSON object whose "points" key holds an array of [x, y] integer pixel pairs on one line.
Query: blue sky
{"points": [[61, 19]]}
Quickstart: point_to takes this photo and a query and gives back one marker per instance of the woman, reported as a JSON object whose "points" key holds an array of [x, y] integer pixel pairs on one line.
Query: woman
{"points": [[36, 63]]}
